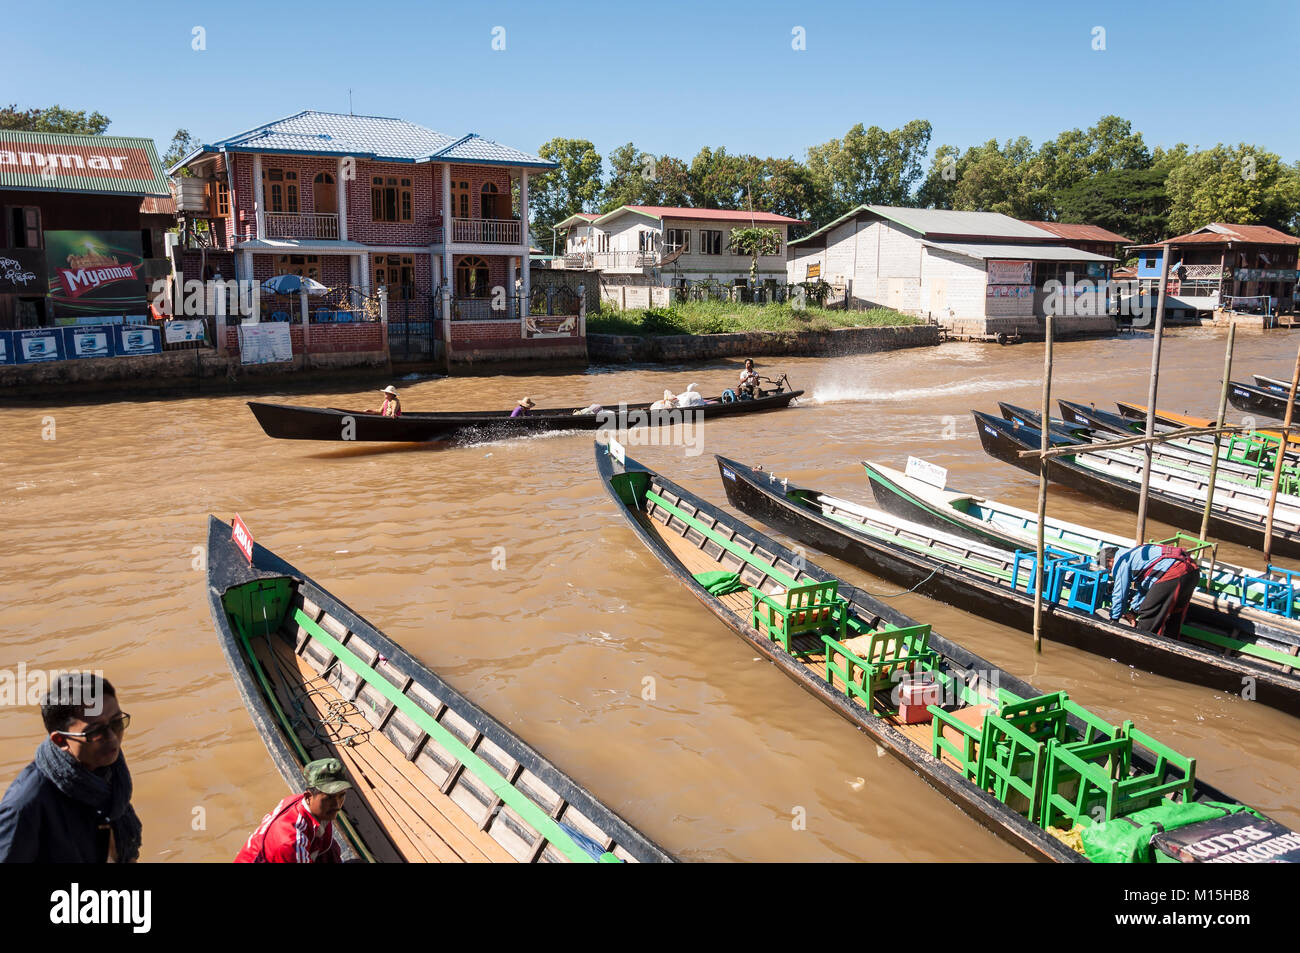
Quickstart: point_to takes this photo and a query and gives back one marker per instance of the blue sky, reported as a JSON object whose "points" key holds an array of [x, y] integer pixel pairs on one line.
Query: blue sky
{"points": [[673, 76]]}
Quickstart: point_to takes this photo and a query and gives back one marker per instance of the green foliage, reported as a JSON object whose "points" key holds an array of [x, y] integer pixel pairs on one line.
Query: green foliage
{"points": [[1129, 202], [572, 188], [722, 317], [1243, 184], [754, 241], [868, 166], [182, 145], [53, 119]]}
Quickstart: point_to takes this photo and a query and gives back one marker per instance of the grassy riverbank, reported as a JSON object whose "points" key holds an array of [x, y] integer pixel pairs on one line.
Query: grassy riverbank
{"points": [[722, 317]]}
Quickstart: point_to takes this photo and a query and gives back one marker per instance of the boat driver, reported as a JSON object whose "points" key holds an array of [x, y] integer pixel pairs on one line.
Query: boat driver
{"points": [[748, 380]]}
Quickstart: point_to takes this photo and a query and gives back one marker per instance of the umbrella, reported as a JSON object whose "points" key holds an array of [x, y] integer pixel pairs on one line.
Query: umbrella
{"points": [[292, 284]]}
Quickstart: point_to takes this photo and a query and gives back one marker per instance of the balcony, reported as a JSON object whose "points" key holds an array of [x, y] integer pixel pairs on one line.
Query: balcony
{"points": [[623, 261], [486, 231], [302, 225]]}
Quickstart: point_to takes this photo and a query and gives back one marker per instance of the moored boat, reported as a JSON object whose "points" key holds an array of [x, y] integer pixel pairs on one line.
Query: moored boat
{"points": [[288, 422], [1022, 762], [1259, 400], [1238, 514], [435, 777]]}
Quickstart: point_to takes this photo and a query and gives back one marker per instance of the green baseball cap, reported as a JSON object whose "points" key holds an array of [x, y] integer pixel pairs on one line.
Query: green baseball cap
{"points": [[326, 776]]}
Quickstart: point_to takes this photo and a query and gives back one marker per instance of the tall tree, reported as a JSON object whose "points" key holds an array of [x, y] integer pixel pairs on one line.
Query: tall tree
{"points": [[869, 166], [569, 189], [1078, 154], [53, 119], [182, 145], [632, 179], [1129, 202], [1241, 184], [991, 177]]}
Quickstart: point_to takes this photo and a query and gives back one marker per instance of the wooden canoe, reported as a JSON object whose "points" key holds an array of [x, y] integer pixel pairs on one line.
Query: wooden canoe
{"points": [[1259, 400], [690, 536], [1139, 412], [1238, 514], [288, 422], [435, 777]]}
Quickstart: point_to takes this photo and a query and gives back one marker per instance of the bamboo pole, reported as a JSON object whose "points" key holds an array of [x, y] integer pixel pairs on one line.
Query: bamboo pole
{"points": [[1040, 579], [1141, 533], [1281, 457], [1218, 437]]}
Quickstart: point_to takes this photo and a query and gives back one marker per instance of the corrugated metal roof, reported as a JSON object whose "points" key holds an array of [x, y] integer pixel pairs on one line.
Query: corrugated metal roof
{"points": [[62, 162], [1027, 252], [712, 214], [941, 222], [1075, 232], [372, 137]]}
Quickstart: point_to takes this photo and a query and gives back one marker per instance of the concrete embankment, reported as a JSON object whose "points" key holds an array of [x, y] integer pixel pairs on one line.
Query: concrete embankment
{"points": [[678, 348]]}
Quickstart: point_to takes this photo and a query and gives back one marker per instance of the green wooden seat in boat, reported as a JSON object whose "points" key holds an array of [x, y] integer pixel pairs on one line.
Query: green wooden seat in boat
{"points": [[1088, 783], [809, 609], [877, 660]]}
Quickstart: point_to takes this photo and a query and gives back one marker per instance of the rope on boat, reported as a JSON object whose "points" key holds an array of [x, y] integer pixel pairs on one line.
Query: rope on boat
{"points": [[876, 595]]}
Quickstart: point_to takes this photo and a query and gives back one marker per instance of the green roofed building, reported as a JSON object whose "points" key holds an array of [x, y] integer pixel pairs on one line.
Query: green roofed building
{"points": [[81, 228]]}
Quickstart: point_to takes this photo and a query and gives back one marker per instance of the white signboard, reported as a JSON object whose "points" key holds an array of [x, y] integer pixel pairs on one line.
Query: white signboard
{"points": [[617, 452], [90, 344], [176, 331], [1010, 273], [265, 343], [930, 473]]}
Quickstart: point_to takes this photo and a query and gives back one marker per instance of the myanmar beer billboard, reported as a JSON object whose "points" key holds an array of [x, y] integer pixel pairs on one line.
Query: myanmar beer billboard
{"points": [[95, 274]]}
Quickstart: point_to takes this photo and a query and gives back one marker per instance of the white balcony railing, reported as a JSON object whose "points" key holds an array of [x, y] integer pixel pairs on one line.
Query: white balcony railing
{"points": [[486, 231], [624, 260], [302, 225]]}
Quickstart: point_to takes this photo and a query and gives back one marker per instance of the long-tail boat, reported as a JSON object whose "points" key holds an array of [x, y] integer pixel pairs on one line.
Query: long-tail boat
{"points": [[435, 778], [1039, 770], [1169, 418], [1259, 400], [1238, 514], [329, 423]]}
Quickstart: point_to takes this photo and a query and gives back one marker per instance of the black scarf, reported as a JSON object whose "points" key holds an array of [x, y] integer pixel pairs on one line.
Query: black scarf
{"points": [[108, 792]]}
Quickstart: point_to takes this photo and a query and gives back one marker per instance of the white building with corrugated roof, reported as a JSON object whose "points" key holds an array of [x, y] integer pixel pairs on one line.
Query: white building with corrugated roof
{"points": [[975, 272]]}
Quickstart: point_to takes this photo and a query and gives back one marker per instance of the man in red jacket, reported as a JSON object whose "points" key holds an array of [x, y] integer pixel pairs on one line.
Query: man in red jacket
{"points": [[301, 828]]}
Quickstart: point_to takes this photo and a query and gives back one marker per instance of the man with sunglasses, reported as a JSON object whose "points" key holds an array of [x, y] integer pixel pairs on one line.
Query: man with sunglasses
{"points": [[72, 804], [301, 828]]}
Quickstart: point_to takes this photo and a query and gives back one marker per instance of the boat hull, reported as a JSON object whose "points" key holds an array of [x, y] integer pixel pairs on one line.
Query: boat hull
{"points": [[287, 422]]}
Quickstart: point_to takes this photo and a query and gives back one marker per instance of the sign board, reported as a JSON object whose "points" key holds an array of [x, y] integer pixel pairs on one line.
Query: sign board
{"points": [[814, 271], [242, 538], [6, 347], [1173, 286], [39, 344], [131, 339], [22, 271], [176, 331], [930, 473], [84, 342], [95, 273], [1234, 839], [265, 343], [1266, 274], [1010, 273]]}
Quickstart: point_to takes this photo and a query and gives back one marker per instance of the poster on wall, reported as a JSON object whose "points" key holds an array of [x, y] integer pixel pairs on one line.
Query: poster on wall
{"points": [[131, 339], [6, 348], [89, 342], [1010, 273], [179, 331], [40, 344], [265, 343], [95, 273]]}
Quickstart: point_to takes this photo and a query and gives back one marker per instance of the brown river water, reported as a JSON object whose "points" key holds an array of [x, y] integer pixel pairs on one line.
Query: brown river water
{"points": [[99, 569]]}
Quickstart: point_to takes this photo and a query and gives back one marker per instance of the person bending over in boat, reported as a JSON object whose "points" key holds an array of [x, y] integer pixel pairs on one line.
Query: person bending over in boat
{"points": [[392, 406], [522, 407], [1153, 583], [72, 805], [749, 380], [301, 828]]}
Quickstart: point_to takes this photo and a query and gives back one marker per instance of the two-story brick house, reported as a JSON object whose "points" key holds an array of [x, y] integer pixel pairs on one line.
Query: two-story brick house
{"points": [[370, 202]]}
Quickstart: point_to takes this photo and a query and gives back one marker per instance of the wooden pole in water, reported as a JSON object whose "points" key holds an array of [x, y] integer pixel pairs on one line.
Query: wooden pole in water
{"points": [[1040, 578], [1277, 468], [1141, 532], [1218, 437]]}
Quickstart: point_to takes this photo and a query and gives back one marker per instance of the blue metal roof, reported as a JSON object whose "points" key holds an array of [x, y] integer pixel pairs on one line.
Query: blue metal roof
{"points": [[374, 137]]}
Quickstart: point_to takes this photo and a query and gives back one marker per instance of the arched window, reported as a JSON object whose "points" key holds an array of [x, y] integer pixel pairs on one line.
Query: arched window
{"points": [[490, 202], [472, 278], [324, 194]]}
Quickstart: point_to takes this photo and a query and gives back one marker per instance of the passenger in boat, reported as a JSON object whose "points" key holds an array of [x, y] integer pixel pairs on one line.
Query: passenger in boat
{"points": [[1153, 583], [748, 380], [72, 804], [392, 406], [522, 407], [301, 828]]}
